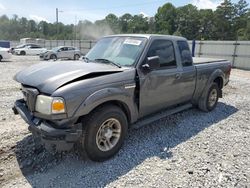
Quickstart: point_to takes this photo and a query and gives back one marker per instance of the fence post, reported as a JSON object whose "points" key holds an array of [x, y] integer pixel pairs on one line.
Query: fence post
{"points": [[193, 48], [234, 53], [80, 48], [90, 44], [200, 49], [50, 43]]}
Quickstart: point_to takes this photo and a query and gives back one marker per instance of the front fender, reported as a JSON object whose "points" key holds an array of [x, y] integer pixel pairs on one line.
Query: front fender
{"points": [[126, 97]]}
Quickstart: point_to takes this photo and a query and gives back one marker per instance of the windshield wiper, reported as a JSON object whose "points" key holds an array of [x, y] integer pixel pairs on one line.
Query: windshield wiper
{"points": [[108, 61]]}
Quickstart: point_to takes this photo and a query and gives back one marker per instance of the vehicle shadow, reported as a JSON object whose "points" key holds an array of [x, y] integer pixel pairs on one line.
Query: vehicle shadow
{"points": [[154, 140]]}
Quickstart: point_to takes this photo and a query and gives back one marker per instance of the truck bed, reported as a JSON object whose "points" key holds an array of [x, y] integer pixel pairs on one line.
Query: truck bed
{"points": [[201, 60]]}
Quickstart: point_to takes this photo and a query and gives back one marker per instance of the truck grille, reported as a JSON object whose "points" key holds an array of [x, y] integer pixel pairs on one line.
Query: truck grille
{"points": [[29, 95]]}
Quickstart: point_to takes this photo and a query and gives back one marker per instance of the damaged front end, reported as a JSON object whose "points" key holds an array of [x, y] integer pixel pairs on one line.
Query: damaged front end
{"points": [[53, 138], [50, 98], [53, 129]]}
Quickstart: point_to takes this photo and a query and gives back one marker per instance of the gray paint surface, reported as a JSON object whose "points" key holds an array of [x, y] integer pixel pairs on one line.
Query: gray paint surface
{"points": [[47, 77]]}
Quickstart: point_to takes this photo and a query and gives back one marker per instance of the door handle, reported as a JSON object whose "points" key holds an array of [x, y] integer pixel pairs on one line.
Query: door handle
{"points": [[178, 76]]}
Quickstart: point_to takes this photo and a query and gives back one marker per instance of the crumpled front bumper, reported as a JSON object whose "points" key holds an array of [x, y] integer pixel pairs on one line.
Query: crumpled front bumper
{"points": [[52, 138]]}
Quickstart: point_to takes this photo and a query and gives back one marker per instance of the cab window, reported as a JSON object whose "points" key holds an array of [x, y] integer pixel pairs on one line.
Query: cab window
{"points": [[165, 50], [185, 53]]}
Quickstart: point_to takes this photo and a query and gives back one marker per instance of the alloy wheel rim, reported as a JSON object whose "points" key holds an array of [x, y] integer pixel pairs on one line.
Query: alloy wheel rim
{"points": [[212, 97], [108, 134]]}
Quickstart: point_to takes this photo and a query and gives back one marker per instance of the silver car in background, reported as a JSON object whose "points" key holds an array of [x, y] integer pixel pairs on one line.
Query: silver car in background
{"points": [[61, 52]]}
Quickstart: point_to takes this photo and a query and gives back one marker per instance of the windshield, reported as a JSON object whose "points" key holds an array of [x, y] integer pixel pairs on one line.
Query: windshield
{"points": [[55, 49], [21, 46], [121, 50]]}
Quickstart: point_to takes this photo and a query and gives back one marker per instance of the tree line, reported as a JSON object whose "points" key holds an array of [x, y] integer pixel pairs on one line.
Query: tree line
{"points": [[230, 21]]}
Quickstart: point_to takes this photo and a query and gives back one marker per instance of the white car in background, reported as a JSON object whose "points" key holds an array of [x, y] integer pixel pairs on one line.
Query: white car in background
{"points": [[61, 52], [5, 53], [31, 49]]}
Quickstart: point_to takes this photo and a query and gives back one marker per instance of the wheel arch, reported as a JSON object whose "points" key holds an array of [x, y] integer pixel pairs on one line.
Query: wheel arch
{"points": [[216, 76], [53, 54], [113, 96], [23, 52], [118, 103], [219, 81]]}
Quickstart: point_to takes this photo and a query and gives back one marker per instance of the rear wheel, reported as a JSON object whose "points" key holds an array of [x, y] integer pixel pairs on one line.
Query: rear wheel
{"points": [[1, 58], [22, 53], [53, 56], [76, 57], [105, 132], [209, 101]]}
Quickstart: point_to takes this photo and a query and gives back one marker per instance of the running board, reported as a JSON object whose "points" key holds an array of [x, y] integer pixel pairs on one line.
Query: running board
{"points": [[160, 115]]}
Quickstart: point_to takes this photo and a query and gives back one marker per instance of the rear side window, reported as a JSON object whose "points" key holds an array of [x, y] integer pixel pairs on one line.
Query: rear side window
{"points": [[186, 56], [34, 46], [165, 50], [64, 49]]}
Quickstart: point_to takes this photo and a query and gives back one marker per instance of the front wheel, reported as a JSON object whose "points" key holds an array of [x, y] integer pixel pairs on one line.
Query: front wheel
{"points": [[76, 57], [22, 53], [106, 129], [53, 57], [209, 101]]}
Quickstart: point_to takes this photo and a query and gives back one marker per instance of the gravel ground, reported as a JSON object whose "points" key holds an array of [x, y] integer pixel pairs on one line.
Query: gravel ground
{"points": [[188, 149]]}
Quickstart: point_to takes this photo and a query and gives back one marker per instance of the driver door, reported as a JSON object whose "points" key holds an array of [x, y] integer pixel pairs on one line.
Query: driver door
{"points": [[61, 53], [160, 88]]}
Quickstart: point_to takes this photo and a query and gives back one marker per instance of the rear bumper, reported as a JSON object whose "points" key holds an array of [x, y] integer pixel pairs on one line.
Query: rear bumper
{"points": [[53, 139]]}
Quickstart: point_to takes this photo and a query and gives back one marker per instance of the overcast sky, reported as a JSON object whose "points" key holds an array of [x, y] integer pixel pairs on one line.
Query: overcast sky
{"points": [[92, 10]]}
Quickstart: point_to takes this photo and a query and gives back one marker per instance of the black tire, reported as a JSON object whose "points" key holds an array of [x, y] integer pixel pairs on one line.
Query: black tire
{"points": [[1, 58], [76, 57], [53, 56], [93, 124], [22, 53], [205, 102]]}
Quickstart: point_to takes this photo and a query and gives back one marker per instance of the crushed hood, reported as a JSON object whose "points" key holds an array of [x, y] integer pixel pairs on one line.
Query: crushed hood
{"points": [[49, 76]]}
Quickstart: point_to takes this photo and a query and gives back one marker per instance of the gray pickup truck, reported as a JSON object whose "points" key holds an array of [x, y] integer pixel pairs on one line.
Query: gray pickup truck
{"points": [[124, 81]]}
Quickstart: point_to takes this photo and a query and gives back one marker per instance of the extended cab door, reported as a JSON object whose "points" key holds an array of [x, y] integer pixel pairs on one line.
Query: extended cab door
{"points": [[162, 87], [188, 76]]}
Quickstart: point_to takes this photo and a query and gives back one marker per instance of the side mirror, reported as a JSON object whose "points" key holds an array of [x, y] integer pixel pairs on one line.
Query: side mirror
{"points": [[152, 63]]}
